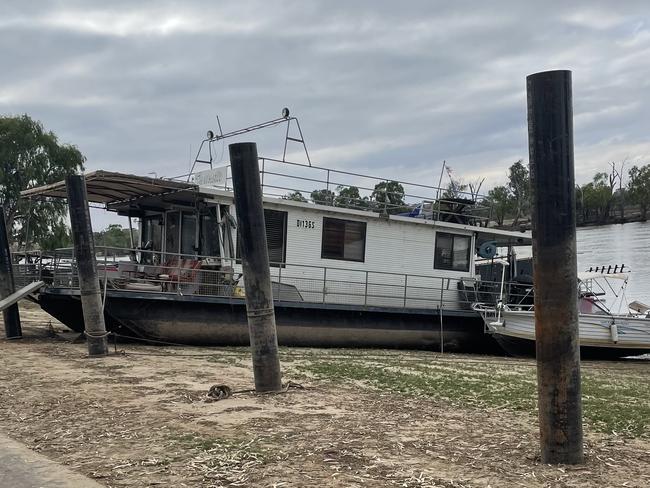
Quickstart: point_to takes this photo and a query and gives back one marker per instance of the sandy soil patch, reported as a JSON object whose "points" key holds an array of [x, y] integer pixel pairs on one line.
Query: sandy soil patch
{"points": [[139, 418]]}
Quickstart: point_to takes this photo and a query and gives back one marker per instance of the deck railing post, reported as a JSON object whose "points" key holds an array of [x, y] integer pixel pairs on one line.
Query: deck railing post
{"points": [[442, 331], [365, 294], [255, 265], [40, 265], [406, 279], [105, 279], [550, 142], [84, 253], [178, 273], [11, 314], [328, 189], [324, 283]]}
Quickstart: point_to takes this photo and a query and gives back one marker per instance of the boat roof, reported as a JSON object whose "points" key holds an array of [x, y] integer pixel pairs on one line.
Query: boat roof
{"points": [[129, 194], [109, 187]]}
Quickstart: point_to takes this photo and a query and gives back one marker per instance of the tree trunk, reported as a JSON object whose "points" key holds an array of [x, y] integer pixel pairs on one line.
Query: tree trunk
{"points": [[517, 215]]}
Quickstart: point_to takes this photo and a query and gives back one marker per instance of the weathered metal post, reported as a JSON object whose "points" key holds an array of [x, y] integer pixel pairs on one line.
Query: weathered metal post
{"points": [[255, 262], [11, 314], [84, 252], [550, 141]]}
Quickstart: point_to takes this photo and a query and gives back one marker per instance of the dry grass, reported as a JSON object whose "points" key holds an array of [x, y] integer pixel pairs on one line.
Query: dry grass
{"points": [[367, 418]]}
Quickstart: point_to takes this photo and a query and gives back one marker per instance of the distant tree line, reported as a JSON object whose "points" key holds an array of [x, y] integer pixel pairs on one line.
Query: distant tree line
{"points": [[603, 200]]}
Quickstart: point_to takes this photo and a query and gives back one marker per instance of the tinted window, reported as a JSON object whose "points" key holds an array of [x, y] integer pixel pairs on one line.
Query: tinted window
{"points": [[209, 238], [343, 239], [276, 235], [188, 235], [275, 222], [172, 232], [452, 252]]}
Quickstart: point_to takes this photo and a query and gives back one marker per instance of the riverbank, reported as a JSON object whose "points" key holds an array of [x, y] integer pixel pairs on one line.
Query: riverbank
{"points": [[365, 417]]}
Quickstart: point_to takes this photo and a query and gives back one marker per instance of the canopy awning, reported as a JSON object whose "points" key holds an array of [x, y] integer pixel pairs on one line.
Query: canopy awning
{"points": [[108, 188]]}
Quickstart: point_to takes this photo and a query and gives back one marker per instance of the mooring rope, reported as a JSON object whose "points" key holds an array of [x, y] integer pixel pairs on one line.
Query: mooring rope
{"points": [[222, 392], [97, 335]]}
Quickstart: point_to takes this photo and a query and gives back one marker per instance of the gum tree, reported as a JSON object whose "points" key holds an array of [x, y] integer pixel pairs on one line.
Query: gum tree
{"points": [[31, 156], [638, 188]]}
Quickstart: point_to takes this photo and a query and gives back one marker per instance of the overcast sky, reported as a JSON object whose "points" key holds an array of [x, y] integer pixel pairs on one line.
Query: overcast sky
{"points": [[390, 88]]}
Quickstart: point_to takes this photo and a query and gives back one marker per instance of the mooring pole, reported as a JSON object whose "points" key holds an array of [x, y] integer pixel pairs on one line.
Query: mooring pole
{"points": [[255, 263], [84, 252], [550, 141], [11, 314]]}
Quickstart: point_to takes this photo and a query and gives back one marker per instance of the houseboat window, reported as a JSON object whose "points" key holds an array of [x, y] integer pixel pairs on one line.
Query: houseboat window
{"points": [[209, 233], [343, 239], [276, 237], [452, 252], [227, 225], [151, 237], [172, 228], [188, 235]]}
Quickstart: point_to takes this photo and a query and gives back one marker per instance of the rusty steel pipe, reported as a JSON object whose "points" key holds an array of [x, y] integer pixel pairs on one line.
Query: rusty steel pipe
{"points": [[550, 141], [255, 264]]}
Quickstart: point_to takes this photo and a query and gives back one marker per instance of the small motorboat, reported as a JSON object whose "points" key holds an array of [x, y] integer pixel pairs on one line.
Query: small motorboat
{"points": [[617, 330]]}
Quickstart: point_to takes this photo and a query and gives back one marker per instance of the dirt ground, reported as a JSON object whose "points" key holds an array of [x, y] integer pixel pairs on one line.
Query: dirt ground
{"points": [[139, 418]]}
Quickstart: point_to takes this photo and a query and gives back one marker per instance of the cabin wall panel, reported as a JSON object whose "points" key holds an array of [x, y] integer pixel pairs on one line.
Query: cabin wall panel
{"points": [[393, 249]]}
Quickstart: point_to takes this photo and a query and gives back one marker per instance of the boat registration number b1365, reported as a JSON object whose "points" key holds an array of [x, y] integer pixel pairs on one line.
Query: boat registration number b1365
{"points": [[306, 224]]}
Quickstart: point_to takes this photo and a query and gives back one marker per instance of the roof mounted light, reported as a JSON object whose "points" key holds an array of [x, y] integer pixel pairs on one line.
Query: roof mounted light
{"points": [[210, 134], [285, 112]]}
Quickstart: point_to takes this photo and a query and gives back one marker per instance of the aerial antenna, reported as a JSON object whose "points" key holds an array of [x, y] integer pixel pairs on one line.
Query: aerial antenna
{"points": [[211, 137]]}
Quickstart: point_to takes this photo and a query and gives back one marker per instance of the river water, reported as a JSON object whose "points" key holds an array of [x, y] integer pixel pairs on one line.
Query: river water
{"points": [[627, 244]]}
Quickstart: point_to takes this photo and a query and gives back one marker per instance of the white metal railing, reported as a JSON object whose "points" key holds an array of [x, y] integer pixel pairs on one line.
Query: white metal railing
{"points": [[280, 178], [145, 271]]}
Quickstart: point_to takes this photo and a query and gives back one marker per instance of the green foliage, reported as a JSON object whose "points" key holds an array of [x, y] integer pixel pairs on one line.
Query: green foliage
{"points": [[596, 198], [519, 187], [31, 156], [639, 187], [344, 197], [349, 197], [512, 200], [296, 196], [388, 196], [114, 236], [59, 236], [454, 190], [498, 199], [323, 197]]}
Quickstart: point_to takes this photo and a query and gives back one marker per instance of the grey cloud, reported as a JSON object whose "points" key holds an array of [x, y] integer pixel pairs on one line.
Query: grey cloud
{"points": [[389, 88]]}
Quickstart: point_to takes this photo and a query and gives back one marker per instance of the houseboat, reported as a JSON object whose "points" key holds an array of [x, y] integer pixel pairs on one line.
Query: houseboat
{"points": [[366, 271]]}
